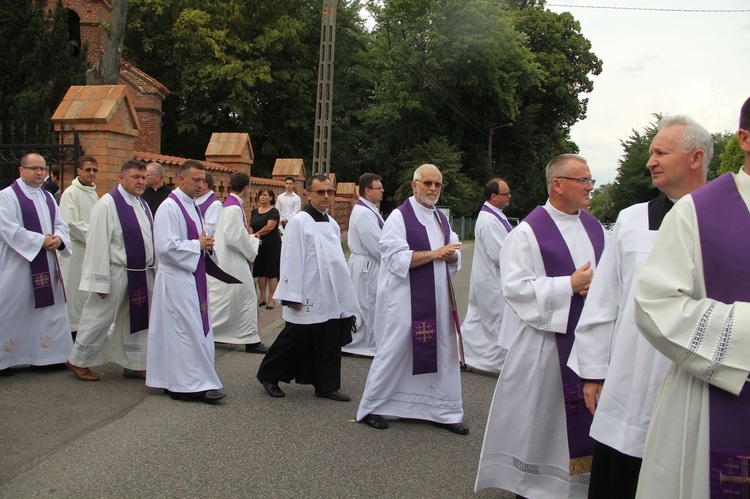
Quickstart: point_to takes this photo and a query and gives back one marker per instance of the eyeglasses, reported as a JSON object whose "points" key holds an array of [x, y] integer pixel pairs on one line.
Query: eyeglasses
{"points": [[503, 193], [582, 180], [430, 183], [36, 168], [323, 192], [377, 188], [89, 170]]}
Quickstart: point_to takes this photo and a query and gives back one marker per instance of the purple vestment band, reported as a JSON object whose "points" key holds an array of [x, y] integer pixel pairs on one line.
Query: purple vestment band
{"points": [[503, 221], [41, 279], [201, 283], [380, 219], [422, 283], [136, 259], [208, 202], [724, 229], [558, 262]]}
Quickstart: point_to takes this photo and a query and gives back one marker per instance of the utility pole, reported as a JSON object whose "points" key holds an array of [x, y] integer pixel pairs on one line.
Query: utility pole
{"points": [[489, 144], [324, 102]]}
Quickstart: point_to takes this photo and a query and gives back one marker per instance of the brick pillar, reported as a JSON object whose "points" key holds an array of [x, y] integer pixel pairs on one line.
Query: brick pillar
{"points": [[107, 127]]}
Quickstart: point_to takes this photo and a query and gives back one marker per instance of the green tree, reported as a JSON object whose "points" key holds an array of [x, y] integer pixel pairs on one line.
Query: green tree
{"points": [[633, 182], [39, 63], [234, 65], [720, 143], [732, 157], [602, 204]]}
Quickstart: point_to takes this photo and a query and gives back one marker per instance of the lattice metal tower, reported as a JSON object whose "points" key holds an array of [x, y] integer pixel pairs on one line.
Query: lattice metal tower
{"points": [[324, 105]]}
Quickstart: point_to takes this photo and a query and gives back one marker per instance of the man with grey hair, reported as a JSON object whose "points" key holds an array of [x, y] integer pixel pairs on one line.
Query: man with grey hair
{"points": [[692, 302], [621, 370], [415, 371], [537, 442], [156, 190]]}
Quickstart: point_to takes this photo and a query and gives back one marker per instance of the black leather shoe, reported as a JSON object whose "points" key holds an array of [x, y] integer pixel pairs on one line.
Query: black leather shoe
{"points": [[212, 396], [375, 421], [271, 388], [4, 373], [458, 428], [334, 395], [256, 348]]}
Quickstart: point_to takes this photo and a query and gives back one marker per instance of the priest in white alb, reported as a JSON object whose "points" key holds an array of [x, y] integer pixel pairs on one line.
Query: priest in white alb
{"points": [[35, 328], [118, 278], [365, 227], [693, 304], [209, 205], [180, 339], [621, 370], [536, 443], [317, 294], [481, 327], [234, 313], [76, 204], [415, 373]]}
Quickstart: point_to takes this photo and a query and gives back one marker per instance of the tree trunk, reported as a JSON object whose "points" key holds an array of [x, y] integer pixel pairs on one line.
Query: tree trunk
{"points": [[106, 71]]}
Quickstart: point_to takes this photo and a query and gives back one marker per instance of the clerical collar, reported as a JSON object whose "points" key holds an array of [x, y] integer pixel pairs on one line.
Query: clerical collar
{"points": [[29, 188], [315, 214]]}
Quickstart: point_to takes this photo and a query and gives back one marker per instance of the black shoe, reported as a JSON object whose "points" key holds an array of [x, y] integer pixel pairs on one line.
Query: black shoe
{"points": [[334, 395], [212, 396], [7, 372], [262, 303], [375, 421], [271, 388], [209, 396], [458, 428], [256, 348]]}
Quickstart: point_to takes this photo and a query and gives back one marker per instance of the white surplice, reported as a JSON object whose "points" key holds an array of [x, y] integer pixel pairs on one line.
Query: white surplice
{"points": [[213, 212], [391, 389], [234, 309], [314, 272], [481, 327], [364, 265], [76, 204], [28, 335], [610, 346], [525, 447], [104, 272], [180, 355], [674, 313]]}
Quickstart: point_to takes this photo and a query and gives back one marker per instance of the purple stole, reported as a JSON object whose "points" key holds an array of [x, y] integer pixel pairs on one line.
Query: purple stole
{"points": [[723, 218], [559, 262], [135, 251], [201, 283], [208, 202], [233, 201], [503, 221], [41, 279], [423, 306], [380, 219]]}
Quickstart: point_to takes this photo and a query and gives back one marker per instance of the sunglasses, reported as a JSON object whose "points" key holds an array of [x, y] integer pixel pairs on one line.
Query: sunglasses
{"points": [[430, 183], [89, 170]]}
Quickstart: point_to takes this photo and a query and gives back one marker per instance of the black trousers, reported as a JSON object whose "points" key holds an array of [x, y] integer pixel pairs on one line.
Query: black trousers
{"points": [[614, 475], [310, 354]]}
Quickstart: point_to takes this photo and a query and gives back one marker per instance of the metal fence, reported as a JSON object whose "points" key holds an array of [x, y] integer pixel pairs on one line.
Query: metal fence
{"points": [[464, 227], [17, 140]]}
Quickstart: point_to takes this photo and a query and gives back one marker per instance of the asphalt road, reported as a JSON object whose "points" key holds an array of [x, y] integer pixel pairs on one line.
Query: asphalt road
{"points": [[116, 438]]}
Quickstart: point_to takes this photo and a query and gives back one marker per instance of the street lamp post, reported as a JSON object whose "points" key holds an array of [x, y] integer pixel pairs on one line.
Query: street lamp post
{"points": [[489, 144]]}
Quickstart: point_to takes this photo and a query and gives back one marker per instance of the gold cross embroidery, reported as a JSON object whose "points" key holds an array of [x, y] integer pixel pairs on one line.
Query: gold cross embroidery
{"points": [[424, 332]]}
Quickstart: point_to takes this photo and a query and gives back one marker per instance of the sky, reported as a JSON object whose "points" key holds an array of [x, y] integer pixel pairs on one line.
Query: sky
{"points": [[697, 64]]}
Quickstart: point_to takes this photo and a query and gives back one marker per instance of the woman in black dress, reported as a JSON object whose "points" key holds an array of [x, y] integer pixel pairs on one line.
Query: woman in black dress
{"points": [[264, 223]]}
